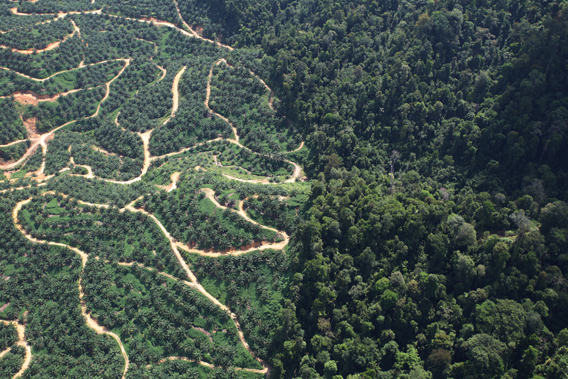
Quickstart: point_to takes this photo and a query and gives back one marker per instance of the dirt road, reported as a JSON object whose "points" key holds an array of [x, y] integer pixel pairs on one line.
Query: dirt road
{"points": [[21, 342], [90, 322]]}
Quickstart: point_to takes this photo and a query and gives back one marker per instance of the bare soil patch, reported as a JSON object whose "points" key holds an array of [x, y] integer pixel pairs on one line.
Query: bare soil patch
{"points": [[30, 125]]}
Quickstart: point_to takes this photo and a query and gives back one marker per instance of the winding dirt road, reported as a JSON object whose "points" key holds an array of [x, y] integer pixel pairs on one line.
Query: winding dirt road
{"points": [[29, 97], [194, 283], [42, 140], [90, 322], [81, 65], [49, 47], [21, 342], [127, 63], [175, 92], [175, 245]]}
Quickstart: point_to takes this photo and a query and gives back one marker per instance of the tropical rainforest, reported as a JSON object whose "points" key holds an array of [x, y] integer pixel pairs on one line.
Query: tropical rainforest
{"points": [[221, 189]]}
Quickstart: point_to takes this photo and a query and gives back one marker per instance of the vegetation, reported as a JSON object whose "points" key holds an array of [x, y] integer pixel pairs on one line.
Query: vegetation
{"points": [[63, 344], [85, 77], [158, 317], [197, 221], [252, 284], [429, 242], [12, 128], [14, 152]]}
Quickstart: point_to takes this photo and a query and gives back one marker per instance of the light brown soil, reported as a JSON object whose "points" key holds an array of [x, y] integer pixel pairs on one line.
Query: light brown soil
{"points": [[31, 98], [163, 73], [60, 72], [204, 331], [21, 342], [175, 178], [5, 352], [50, 46], [127, 63], [90, 322], [298, 149], [175, 92]]}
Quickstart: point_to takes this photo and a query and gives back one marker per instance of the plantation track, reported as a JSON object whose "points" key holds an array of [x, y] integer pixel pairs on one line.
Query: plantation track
{"points": [[176, 246], [91, 323], [42, 140], [49, 47], [21, 342], [147, 135], [193, 283]]}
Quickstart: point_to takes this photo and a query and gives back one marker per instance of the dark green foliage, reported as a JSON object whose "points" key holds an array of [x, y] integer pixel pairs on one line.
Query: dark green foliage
{"points": [[73, 106], [192, 123], [433, 242], [56, 7], [112, 138], [11, 362], [398, 268], [241, 97], [43, 281], [137, 116], [80, 78], [8, 336], [67, 56], [252, 284], [83, 149], [11, 126], [195, 220], [37, 37], [145, 8], [9, 21], [144, 306], [98, 191], [14, 152], [101, 232], [254, 163], [279, 213], [35, 161], [111, 38]]}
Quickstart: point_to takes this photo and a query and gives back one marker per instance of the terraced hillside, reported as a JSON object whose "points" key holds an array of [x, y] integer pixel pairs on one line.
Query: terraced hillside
{"points": [[133, 154]]}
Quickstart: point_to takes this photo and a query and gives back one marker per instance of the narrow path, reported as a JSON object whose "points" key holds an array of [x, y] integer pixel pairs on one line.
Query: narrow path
{"points": [[195, 283], [145, 137], [127, 63], [207, 364], [163, 73], [49, 47], [30, 97], [90, 321], [14, 10], [43, 138], [190, 33], [298, 149], [219, 164], [175, 92], [21, 342], [175, 178], [208, 95], [297, 168], [81, 65], [210, 194], [35, 143], [14, 143], [5, 352], [148, 134], [190, 29], [172, 26]]}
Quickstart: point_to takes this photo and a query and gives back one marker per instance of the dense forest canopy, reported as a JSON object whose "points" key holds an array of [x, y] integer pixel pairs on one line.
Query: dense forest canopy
{"points": [[349, 189]]}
